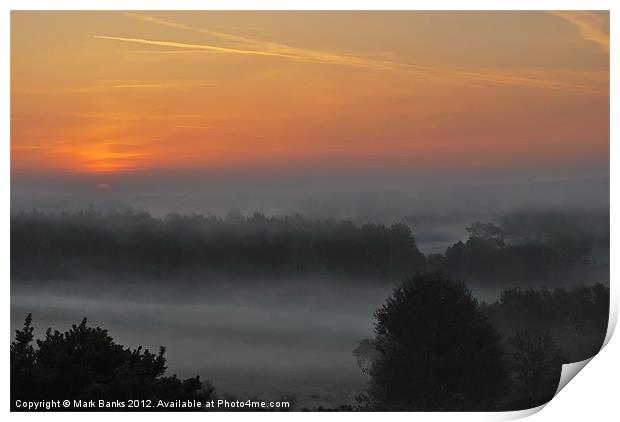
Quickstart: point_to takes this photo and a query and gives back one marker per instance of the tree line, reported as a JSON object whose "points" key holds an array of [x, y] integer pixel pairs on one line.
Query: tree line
{"points": [[491, 253], [519, 251]]}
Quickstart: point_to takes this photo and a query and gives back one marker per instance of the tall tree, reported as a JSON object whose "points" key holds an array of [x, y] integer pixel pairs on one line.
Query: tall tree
{"points": [[436, 350]]}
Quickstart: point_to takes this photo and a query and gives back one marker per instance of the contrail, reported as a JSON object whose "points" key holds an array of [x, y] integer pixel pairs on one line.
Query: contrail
{"points": [[587, 27], [191, 46], [272, 49]]}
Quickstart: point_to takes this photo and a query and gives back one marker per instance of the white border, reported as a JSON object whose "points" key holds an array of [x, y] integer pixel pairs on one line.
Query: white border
{"points": [[592, 395]]}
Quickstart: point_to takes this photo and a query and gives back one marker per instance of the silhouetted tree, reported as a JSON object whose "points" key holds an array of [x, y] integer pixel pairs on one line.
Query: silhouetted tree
{"points": [[576, 317], [487, 259], [85, 363], [574, 233], [436, 350], [489, 234], [23, 358], [536, 362]]}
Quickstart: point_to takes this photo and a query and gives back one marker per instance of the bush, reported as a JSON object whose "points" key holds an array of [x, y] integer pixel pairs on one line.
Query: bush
{"points": [[85, 363]]}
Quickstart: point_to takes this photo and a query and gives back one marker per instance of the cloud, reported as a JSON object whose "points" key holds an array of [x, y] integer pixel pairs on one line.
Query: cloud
{"points": [[268, 47], [592, 26], [249, 46], [146, 51], [189, 46], [139, 116], [163, 85]]}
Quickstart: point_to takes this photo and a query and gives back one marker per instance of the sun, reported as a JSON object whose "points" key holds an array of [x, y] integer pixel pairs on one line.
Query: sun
{"points": [[106, 158]]}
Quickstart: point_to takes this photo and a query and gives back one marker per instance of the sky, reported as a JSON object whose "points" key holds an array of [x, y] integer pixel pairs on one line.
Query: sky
{"points": [[162, 109]]}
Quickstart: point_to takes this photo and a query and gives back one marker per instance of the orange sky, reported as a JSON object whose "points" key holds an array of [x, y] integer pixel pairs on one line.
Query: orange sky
{"points": [[114, 91]]}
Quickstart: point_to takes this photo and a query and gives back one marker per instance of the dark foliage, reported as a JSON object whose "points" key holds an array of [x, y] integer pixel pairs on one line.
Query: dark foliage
{"points": [[572, 232], [545, 329], [85, 363], [535, 362], [576, 318], [495, 256], [436, 350], [66, 245], [527, 249], [542, 329]]}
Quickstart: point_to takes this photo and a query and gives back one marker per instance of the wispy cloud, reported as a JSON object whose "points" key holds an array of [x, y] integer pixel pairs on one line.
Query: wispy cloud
{"points": [[140, 116], [250, 46], [291, 52], [150, 51], [591, 26], [271, 48], [190, 46], [218, 34], [163, 85]]}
